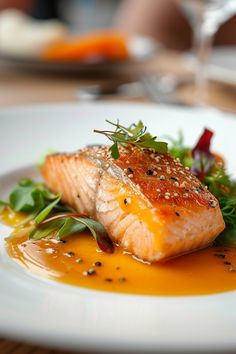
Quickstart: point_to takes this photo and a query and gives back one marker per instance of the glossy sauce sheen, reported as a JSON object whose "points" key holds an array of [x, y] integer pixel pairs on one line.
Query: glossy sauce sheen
{"points": [[202, 272]]}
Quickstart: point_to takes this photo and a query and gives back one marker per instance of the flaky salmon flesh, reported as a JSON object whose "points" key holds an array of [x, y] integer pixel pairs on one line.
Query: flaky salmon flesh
{"points": [[149, 203]]}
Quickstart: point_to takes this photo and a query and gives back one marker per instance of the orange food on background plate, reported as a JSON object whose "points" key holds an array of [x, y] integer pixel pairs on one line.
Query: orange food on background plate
{"points": [[106, 45]]}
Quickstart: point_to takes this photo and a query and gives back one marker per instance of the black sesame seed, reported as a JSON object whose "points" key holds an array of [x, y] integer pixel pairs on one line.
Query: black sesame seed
{"points": [[63, 241], [219, 255], [108, 279], [200, 189], [79, 260], [212, 203], [70, 254], [98, 264], [130, 170], [227, 263], [91, 271], [176, 213], [122, 280], [173, 178], [125, 201], [149, 172]]}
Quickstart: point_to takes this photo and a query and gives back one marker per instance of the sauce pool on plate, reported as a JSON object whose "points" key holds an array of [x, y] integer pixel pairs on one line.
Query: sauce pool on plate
{"points": [[78, 261]]}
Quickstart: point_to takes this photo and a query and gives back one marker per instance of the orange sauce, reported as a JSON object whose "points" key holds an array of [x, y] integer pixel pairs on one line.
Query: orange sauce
{"points": [[203, 272]]}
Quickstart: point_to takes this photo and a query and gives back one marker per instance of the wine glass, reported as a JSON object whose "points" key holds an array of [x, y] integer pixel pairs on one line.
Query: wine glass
{"points": [[205, 17]]}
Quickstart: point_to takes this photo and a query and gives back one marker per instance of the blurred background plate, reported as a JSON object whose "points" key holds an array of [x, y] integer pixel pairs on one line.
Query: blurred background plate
{"points": [[140, 49]]}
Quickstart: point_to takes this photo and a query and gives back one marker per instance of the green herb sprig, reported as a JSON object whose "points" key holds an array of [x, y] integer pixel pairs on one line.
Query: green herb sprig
{"points": [[3, 204], [223, 187], [30, 197], [33, 198], [219, 183], [49, 217], [63, 225], [178, 149], [135, 135]]}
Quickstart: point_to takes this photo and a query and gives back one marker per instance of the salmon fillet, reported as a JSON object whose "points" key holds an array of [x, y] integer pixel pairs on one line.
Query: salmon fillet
{"points": [[149, 203]]}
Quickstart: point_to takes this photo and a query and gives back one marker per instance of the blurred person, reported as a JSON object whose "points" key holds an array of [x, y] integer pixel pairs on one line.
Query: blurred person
{"points": [[45, 9], [161, 19], [16, 4], [79, 15], [164, 20]]}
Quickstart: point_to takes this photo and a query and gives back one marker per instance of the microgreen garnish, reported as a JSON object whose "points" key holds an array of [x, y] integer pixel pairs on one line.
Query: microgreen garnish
{"points": [[204, 165], [30, 197], [41, 160], [223, 187], [3, 204], [63, 225], [47, 210], [135, 135], [48, 217], [178, 149]]}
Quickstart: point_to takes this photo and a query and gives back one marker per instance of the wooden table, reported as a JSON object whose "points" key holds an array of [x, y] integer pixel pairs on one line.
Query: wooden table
{"points": [[22, 87], [27, 87]]}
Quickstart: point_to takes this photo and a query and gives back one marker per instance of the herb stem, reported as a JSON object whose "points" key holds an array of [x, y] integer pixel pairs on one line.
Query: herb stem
{"points": [[135, 135], [60, 216]]}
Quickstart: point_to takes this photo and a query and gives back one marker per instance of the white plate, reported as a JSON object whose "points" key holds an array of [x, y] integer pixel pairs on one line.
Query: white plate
{"points": [[49, 313]]}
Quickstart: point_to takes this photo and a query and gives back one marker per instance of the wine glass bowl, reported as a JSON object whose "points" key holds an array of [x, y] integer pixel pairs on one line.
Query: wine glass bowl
{"points": [[205, 18]]}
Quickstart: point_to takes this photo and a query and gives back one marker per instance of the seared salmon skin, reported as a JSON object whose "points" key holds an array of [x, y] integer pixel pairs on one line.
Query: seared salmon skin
{"points": [[149, 203]]}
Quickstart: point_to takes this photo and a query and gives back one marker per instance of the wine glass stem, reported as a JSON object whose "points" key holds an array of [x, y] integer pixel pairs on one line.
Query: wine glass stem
{"points": [[202, 45]]}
